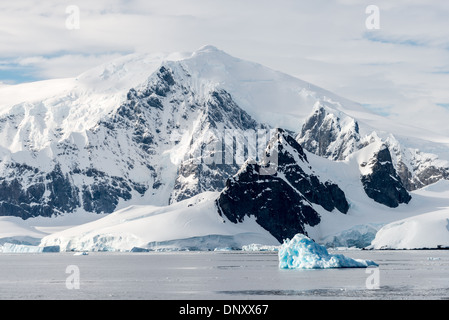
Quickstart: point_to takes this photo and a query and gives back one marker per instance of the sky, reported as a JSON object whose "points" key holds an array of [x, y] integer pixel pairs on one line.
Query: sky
{"points": [[399, 69]]}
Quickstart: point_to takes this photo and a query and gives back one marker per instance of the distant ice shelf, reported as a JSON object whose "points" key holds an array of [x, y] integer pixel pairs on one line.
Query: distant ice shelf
{"points": [[21, 248]]}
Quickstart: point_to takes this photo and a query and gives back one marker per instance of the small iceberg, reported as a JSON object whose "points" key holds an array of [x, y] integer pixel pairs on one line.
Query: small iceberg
{"points": [[303, 253], [259, 247], [81, 253]]}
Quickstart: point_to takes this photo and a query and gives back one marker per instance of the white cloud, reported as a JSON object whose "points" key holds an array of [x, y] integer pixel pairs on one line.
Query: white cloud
{"points": [[64, 66]]}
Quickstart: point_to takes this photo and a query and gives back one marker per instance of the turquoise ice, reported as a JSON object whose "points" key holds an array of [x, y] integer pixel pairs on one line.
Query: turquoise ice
{"points": [[303, 253]]}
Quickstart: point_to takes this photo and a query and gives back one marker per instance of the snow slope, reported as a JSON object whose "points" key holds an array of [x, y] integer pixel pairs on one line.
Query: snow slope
{"points": [[189, 224], [31, 231], [427, 230]]}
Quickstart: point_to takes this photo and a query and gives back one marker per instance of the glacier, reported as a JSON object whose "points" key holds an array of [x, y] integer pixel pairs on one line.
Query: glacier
{"points": [[359, 236], [301, 252], [21, 248]]}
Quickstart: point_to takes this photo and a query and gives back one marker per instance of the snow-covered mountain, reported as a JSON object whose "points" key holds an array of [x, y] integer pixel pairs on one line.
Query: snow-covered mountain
{"points": [[146, 149], [160, 130], [335, 135]]}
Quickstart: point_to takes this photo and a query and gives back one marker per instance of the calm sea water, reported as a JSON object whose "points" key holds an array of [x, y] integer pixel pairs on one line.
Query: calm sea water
{"points": [[219, 275]]}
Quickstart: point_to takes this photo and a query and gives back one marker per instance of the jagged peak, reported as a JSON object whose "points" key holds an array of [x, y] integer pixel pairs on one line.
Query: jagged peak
{"points": [[329, 133], [284, 144]]}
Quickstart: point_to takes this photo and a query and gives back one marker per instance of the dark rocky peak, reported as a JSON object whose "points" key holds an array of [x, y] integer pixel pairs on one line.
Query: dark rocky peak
{"points": [[381, 181], [288, 149], [334, 135], [293, 165], [166, 75], [274, 204], [281, 202], [161, 83]]}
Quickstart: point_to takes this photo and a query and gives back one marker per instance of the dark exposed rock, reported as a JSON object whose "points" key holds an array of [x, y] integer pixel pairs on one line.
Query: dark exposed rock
{"points": [[383, 184], [103, 195], [283, 202], [63, 193], [277, 207], [136, 134], [35, 193], [327, 194], [406, 176], [430, 175], [422, 177]]}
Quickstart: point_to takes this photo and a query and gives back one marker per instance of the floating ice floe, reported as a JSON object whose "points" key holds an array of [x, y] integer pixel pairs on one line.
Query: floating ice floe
{"points": [[259, 247], [81, 254], [303, 253]]}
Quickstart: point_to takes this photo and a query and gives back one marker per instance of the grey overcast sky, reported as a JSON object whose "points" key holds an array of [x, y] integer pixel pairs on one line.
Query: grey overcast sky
{"points": [[400, 70]]}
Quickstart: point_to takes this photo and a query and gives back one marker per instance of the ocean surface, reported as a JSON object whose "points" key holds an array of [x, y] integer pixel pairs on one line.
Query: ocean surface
{"points": [[219, 275]]}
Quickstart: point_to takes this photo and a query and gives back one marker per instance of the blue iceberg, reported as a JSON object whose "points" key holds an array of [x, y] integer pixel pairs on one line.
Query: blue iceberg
{"points": [[303, 253]]}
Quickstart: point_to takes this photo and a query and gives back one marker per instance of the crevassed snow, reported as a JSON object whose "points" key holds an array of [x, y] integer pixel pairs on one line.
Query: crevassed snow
{"points": [[302, 252], [22, 248], [359, 236]]}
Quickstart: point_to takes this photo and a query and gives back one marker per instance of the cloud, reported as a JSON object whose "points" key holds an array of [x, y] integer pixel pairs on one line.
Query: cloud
{"points": [[63, 66]]}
